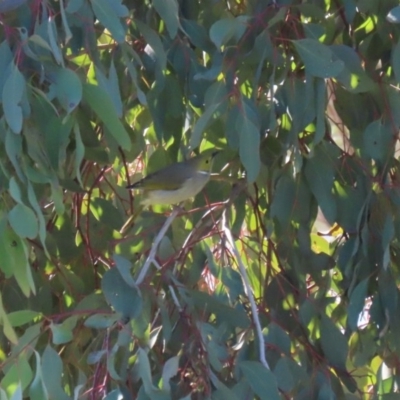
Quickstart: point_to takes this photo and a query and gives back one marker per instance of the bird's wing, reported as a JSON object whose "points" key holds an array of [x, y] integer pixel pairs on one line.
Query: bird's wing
{"points": [[170, 178]]}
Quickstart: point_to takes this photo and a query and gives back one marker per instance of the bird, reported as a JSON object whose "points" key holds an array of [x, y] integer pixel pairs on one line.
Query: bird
{"points": [[177, 182]]}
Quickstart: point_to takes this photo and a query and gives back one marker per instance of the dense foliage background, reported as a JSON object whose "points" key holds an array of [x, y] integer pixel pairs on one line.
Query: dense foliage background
{"points": [[302, 97]]}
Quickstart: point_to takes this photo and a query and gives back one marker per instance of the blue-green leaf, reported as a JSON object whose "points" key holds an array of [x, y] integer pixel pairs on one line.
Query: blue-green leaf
{"points": [[53, 39], [107, 15], [260, 379], [6, 64], [52, 370], [356, 305], [378, 141], [168, 10], [284, 375], [8, 330], [68, 89], [318, 58], [227, 28], [249, 149], [334, 343], [22, 317], [24, 222], [102, 105], [125, 298], [63, 333], [320, 174], [13, 92], [37, 390], [101, 321]]}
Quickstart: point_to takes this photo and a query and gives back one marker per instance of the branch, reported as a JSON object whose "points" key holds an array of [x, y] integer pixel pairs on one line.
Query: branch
{"points": [[151, 259], [248, 290]]}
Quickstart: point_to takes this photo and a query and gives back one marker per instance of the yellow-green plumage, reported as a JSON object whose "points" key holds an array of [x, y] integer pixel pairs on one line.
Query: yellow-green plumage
{"points": [[176, 182]]}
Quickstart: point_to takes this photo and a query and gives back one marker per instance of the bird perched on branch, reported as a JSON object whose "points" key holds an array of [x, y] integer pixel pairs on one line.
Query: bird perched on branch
{"points": [[176, 182]]}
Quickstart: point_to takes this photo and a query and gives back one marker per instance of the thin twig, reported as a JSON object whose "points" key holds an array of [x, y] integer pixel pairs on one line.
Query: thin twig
{"points": [[248, 290], [151, 259]]}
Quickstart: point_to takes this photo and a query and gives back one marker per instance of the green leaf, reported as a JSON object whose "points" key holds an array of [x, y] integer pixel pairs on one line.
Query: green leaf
{"points": [[102, 105], [145, 370], [22, 317], [15, 190], [318, 58], [320, 99], [101, 321], [388, 293], [260, 379], [95, 357], [13, 144], [42, 223], [232, 281], [68, 89], [353, 76], [282, 206], [320, 173], [168, 10], [235, 317], [24, 222], [52, 370], [356, 304], [215, 105], [278, 339], [67, 30], [125, 299], [20, 373], [283, 375], [105, 212], [170, 369], [201, 125], [111, 86], [107, 15], [6, 64], [79, 153], [378, 141], [155, 51], [63, 333], [8, 330], [53, 40], [249, 150], [17, 395], [73, 6], [13, 92], [225, 29], [334, 343], [133, 72], [37, 390], [14, 260]]}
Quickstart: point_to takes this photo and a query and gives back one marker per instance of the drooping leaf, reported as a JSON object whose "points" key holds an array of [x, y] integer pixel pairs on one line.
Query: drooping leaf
{"points": [[168, 10], [318, 58], [52, 370], [68, 89], [101, 104], [13, 91], [249, 136], [124, 298], [260, 379], [24, 222], [110, 18], [334, 343]]}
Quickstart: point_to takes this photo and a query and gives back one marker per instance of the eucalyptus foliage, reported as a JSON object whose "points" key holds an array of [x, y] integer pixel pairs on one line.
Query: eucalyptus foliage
{"points": [[302, 97]]}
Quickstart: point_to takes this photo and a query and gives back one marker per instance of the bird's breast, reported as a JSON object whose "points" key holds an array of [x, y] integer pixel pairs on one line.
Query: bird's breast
{"points": [[190, 188]]}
